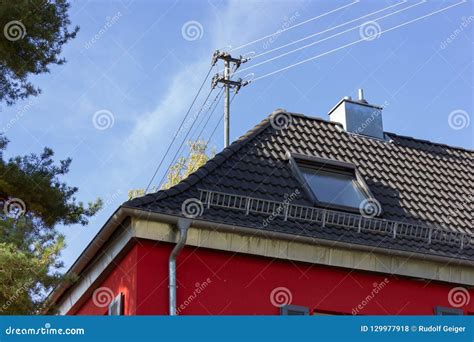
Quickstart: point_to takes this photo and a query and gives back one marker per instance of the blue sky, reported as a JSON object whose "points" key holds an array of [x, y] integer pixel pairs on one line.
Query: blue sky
{"points": [[135, 62]]}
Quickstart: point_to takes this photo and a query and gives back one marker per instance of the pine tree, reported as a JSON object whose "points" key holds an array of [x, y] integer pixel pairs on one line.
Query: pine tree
{"points": [[32, 35], [33, 201]]}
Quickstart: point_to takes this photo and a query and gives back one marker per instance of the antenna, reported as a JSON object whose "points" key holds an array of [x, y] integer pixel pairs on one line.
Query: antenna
{"points": [[228, 84]]}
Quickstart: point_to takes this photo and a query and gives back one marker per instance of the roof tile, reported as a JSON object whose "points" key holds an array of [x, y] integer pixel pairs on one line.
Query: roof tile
{"points": [[414, 180]]}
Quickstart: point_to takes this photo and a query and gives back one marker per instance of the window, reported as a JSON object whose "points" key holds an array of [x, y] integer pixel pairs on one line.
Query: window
{"points": [[294, 310], [334, 187], [318, 312], [116, 306], [443, 311], [331, 183]]}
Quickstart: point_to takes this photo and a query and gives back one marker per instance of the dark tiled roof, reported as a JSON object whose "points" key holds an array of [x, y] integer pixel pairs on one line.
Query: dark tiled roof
{"points": [[415, 181]]}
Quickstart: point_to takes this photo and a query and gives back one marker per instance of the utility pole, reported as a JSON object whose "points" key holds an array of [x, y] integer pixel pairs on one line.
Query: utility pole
{"points": [[225, 79], [226, 103]]}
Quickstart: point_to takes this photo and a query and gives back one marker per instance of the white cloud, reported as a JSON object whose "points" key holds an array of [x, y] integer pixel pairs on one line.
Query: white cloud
{"points": [[236, 23], [157, 124]]}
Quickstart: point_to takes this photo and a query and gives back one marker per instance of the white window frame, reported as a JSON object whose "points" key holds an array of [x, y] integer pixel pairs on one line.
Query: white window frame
{"points": [[286, 310], [116, 304], [297, 160], [445, 311]]}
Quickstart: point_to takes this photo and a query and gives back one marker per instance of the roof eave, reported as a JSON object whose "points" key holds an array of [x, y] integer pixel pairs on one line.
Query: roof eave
{"points": [[124, 211]]}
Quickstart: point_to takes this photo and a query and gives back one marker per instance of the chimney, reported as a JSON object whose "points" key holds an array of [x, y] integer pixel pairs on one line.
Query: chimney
{"points": [[358, 116]]}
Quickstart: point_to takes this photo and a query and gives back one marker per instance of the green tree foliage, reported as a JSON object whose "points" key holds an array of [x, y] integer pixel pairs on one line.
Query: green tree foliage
{"points": [[32, 34], [33, 200], [185, 166]]}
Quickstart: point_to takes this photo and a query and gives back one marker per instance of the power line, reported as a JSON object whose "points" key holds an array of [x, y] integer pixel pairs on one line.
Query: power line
{"points": [[217, 125], [207, 111], [228, 83], [327, 30], [355, 42], [294, 26], [214, 103], [210, 115], [218, 98], [214, 130], [327, 38], [179, 128], [184, 139]]}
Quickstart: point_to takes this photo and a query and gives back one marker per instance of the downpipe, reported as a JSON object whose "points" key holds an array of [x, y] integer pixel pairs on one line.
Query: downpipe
{"points": [[183, 225]]}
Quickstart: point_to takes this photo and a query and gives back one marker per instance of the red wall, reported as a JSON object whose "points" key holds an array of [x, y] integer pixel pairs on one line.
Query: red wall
{"points": [[242, 285], [123, 279]]}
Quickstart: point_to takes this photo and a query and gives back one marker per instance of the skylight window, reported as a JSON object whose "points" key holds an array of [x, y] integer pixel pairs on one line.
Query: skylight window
{"points": [[331, 183], [334, 187]]}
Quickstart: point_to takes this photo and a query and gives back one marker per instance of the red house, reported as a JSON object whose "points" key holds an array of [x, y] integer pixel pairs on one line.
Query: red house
{"points": [[299, 216]]}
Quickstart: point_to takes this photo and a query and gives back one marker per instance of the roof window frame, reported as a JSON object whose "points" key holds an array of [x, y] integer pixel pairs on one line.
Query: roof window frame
{"points": [[447, 311], [298, 161], [294, 310]]}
